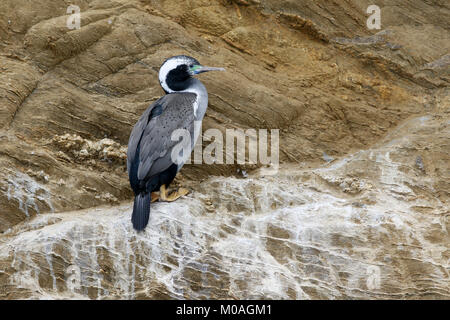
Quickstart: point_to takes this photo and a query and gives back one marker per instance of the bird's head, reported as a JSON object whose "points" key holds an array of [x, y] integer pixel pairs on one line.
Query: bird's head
{"points": [[175, 72]]}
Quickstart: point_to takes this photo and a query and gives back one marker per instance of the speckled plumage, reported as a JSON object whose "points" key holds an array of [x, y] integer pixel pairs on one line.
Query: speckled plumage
{"points": [[150, 144], [150, 162]]}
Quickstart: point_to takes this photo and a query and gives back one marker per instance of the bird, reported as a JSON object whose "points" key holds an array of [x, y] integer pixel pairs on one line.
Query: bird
{"points": [[150, 163]]}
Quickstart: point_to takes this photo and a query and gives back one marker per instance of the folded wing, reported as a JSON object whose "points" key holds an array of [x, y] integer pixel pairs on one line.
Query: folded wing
{"points": [[150, 144]]}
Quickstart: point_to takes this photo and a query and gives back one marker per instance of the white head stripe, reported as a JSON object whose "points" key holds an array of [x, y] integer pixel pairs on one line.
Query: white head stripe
{"points": [[169, 65]]}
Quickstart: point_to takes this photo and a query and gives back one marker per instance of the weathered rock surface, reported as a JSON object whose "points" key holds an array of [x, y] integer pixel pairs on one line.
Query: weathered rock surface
{"points": [[359, 209]]}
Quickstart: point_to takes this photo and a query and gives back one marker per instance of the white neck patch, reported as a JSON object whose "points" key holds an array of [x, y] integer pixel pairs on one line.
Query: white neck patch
{"points": [[195, 106]]}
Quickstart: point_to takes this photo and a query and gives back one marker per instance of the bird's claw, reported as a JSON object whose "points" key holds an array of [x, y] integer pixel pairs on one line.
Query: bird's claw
{"points": [[173, 196], [155, 197]]}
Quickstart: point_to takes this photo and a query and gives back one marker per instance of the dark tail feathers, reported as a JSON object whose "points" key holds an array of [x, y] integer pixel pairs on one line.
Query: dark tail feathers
{"points": [[141, 211]]}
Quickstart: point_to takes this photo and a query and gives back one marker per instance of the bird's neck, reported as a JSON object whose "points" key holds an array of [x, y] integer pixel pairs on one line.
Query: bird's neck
{"points": [[195, 86]]}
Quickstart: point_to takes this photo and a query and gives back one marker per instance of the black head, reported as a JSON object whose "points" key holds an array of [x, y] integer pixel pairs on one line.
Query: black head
{"points": [[176, 71]]}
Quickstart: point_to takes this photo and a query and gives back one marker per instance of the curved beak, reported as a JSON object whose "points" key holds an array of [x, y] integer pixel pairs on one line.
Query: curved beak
{"points": [[200, 69]]}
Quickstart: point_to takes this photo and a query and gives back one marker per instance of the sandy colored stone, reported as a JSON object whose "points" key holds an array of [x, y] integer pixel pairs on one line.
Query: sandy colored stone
{"points": [[359, 208]]}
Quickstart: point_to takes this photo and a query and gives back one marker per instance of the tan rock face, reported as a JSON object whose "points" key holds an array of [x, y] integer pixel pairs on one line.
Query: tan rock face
{"points": [[359, 208]]}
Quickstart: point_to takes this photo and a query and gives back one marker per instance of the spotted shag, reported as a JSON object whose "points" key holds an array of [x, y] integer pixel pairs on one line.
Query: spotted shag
{"points": [[150, 162]]}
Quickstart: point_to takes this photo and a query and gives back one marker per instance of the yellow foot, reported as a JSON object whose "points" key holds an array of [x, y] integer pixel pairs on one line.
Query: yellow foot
{"points": [[155, 197], [173, 196]]}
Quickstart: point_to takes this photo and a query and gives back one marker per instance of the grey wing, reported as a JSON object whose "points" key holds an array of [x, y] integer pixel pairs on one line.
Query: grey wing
{"points": [[136, 134], [156, 143]]}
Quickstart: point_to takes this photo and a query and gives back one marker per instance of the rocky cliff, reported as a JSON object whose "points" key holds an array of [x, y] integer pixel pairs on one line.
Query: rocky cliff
{"points": [[358, 209]]}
